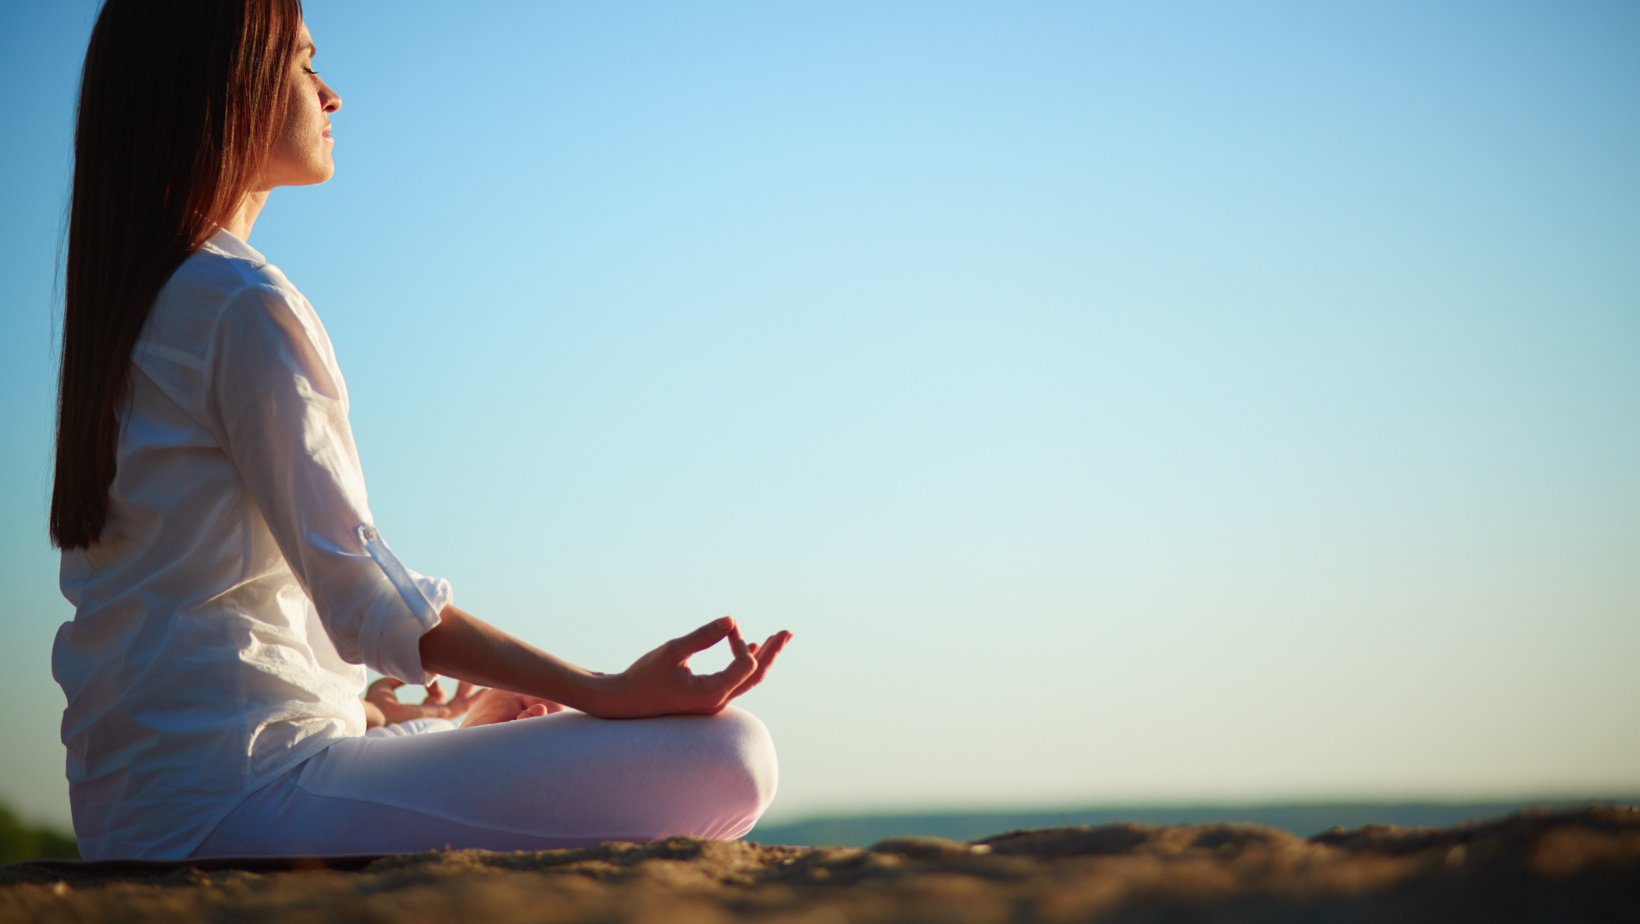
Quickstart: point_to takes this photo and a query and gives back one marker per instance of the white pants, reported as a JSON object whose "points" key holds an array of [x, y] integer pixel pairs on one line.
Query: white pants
{"points": [[563, 780]]}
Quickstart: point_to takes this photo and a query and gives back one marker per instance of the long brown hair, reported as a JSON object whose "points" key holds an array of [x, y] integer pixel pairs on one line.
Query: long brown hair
{"points": [[180, 103]]}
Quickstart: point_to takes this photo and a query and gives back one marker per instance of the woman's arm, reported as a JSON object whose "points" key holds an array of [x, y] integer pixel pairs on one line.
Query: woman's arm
{"points": [[659, 683], [276, 402]]}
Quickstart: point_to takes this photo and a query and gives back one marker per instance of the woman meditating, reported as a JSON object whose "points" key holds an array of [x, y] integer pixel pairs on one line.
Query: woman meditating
{"points": [[229, 583]]}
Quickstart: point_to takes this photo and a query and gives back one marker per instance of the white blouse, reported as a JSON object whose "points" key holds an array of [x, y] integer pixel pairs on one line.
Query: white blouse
{"points": [[220, 623]]}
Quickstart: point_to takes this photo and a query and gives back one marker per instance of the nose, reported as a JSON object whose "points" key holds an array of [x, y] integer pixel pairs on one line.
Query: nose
{"points": [[332, 102]]}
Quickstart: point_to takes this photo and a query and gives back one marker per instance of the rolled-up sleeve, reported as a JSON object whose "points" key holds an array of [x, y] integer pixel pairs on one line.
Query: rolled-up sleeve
{"points": [[279, 405]]}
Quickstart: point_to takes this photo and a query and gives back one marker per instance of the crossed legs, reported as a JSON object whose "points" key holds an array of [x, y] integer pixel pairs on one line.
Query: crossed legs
{"points": [[564, 780]]}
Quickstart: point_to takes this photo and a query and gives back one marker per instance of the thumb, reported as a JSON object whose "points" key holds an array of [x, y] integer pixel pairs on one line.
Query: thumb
{"points": [[384, 686]]}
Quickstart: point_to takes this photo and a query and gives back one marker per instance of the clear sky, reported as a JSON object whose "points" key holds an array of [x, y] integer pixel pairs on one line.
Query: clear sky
{"points": [[1121, 402]]}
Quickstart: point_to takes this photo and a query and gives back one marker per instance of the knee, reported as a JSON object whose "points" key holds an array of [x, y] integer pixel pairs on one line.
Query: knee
{"points": [[749, 751], [744, 762]]}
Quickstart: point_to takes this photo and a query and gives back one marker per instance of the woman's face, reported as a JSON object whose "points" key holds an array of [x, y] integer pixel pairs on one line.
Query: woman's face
{"points": [[302, 153]]}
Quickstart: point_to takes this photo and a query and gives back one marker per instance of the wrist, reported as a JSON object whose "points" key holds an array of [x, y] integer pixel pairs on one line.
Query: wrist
{"points": [[603, 694]]}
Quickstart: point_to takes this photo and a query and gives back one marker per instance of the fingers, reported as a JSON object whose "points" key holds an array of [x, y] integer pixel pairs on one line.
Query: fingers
{"points": [[745, 660], [703, 638], [765, 659], [435, 694], [382, 695], [719, 687], [660, 682], [466, 695], [737, 644]]}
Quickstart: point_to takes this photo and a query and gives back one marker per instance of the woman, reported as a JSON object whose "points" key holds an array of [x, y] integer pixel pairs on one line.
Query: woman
{"points": [[228, 580]]}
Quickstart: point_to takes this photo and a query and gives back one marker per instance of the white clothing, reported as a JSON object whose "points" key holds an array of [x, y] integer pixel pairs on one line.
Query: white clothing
{"points": [[221, 621], [564, 780]]}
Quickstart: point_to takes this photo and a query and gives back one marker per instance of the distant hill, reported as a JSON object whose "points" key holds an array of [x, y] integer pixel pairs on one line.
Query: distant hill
{"points": [[1304, 820], [20, 842]]}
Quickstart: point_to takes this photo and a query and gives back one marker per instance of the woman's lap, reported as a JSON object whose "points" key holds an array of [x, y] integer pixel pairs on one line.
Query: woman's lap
{"points": [[564, 780]]}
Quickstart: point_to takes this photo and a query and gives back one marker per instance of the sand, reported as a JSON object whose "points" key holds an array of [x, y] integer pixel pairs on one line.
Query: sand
{"points": [[1577, 865]]}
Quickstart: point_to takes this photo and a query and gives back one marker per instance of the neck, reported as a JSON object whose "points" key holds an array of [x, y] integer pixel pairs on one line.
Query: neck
{"points": [[239, 224]]}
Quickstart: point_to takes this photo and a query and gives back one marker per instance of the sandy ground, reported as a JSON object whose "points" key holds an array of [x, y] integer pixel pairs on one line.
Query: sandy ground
{"points": [[1580, 865]]}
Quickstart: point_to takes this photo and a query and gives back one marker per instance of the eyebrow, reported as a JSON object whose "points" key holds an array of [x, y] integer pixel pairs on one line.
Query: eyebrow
{"points": [[309, 48]]}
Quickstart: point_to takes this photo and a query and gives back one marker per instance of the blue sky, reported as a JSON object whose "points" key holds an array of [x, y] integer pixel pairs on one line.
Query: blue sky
{"points": [[1121, 402]]}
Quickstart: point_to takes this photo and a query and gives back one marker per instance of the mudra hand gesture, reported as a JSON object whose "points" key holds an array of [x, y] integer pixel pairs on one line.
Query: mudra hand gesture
{"points": [[382, 706], [659, 683]]}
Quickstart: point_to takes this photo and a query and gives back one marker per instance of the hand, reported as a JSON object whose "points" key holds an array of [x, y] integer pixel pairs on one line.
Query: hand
{"points": [[494, 706], [383, 697], [660, 682]]}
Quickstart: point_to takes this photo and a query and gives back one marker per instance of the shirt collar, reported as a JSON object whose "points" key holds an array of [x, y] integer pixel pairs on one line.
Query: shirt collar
{"points": [[225, 241]]}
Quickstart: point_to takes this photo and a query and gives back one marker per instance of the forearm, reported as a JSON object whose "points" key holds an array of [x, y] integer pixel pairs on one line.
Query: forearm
{"points": [[467, 648]]}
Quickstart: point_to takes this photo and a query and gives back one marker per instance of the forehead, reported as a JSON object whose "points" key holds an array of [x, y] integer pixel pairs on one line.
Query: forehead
{"points": [[304, 40]]}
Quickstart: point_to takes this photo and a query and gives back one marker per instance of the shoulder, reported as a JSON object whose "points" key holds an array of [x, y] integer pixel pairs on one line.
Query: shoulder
{"points": [[221, 270], [223, 278]]}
